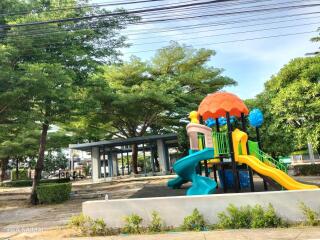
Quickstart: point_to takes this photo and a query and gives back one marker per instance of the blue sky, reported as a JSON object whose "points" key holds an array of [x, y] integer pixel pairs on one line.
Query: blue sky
{"points": [[250, 63]]}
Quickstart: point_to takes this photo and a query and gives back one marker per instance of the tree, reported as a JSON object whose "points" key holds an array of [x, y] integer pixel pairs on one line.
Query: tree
{"points": [[291, 103], [17, 142], [138, 98], [54, 162], [316, 39], [55, 60], [275, 139]]}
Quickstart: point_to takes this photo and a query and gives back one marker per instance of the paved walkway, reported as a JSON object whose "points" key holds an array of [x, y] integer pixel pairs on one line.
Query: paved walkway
{"points": [[302, 233]]}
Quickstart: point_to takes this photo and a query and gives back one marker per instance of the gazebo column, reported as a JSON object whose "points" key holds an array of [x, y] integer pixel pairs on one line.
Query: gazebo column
{"points": [[152, 158], [163, 156], [96, 163], [244, 128], [110, 164], [233, 162], [104, 163], [115, 164]]}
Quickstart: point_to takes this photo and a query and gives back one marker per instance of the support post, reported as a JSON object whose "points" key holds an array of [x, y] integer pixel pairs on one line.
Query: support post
{"points": [[104, 163], [244, 128], [163, 157], [128, 163], [95, 159], [233, 162], [144, 160], [258, 138], [110, 164], [223, 175], [152, 158], [122, 163], [206, 170]]}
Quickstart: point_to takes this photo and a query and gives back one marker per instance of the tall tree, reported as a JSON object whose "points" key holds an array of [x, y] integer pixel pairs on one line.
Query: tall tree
{"points": [[139, 98], [55, 60], [291, 101]]}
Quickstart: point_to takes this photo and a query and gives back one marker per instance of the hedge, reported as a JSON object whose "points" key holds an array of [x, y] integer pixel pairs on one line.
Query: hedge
{"points": [[28, 183], [23, 174], [53, 192], [308, 170]]}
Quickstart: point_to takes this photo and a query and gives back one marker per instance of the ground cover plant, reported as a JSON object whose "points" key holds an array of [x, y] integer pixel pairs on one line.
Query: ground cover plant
{"points": [[194, 222], [90, 227], [312, 218], [249, 217]]}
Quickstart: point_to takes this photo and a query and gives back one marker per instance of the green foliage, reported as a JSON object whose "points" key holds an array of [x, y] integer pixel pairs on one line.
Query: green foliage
{"points": [[55, 162], [133, 224], [150, 97], [78, 220], [28, 183], [194, 222], [235, 217], [23, 174], [156, 224], [308, 170], [290, 102], [249, 217], [312, 217], [53, 192], [89, 226], [43, 75]]}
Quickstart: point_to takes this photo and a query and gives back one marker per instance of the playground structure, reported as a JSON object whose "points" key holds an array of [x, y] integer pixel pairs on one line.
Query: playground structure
{"points": [[227, 150]]}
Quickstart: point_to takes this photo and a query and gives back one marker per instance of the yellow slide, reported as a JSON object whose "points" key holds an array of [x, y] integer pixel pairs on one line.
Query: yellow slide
{"points": [[240, 138], [277, 175]]}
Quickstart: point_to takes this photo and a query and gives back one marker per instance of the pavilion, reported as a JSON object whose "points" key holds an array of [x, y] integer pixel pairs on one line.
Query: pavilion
{"points": [[106, 161]]}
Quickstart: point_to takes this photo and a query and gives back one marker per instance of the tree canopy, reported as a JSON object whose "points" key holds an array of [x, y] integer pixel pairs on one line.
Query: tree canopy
{"points": [[142, 97], [46, 67], [291, 104]]}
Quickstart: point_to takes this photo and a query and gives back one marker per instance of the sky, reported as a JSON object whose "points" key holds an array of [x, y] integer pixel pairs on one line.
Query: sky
{"points": [[250, 63]]}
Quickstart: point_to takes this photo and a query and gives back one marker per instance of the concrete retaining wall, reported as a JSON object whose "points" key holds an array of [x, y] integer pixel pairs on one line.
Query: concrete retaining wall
{"points": [[174, 209]]}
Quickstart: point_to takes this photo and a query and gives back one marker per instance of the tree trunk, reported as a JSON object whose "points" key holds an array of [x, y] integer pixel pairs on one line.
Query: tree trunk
{"points": [[3, 168], [134, 159], [39, 164]]}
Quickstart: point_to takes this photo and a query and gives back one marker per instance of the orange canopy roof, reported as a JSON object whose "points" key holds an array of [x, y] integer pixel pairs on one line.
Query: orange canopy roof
{"points": [[217, 104]]}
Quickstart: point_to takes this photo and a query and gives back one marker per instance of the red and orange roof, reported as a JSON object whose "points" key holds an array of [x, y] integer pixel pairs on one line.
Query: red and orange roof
{"points": [[217, 104]]}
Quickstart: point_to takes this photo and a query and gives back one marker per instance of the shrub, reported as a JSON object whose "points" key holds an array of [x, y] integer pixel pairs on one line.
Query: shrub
{"points": [[194, 222], [28, 183], [312, 217], [271, 219], [23, 174], [90, 227], [53, 192], [236, 217], [257, 220], [156, 224], [133, 224], [308, 170], [249, 217]]}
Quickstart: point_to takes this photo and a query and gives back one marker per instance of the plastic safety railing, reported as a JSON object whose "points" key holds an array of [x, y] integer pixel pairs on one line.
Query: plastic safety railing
{"points": [[267, 159], [220, 143]]}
